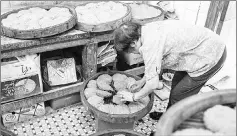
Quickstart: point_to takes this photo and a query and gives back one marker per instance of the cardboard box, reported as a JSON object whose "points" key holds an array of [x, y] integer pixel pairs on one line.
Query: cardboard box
{"points": [[61, 71], [23, 114], [46, 84], [65, 101], [21, 78], [132, 58]]}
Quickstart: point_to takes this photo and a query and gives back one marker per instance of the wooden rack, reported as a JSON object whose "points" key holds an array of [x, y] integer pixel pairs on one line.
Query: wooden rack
{"points": [[14, 47]]}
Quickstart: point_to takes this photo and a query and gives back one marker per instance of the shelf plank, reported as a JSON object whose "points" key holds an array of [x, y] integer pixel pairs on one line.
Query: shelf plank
{"points": [[42, 48], [12, 44], [15, 47], [52, 94]]}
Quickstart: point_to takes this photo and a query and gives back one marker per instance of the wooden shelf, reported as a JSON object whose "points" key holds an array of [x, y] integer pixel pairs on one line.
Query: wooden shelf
{"points": [[14, 47], [52, 94]]}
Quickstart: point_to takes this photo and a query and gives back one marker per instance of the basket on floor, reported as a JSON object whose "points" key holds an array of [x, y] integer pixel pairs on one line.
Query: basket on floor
{"points": [[188, 113], [117, 132], [115, 118]]}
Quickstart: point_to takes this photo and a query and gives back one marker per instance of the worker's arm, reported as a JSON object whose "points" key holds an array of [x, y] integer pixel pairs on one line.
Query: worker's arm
{"points": [[148, 88]]}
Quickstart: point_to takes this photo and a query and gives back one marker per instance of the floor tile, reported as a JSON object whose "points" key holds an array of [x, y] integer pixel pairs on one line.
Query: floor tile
{"points": [[74, 120]]}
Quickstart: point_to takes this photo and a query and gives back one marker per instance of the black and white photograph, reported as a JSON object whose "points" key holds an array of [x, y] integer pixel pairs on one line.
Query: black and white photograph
{"points": [[118, 68]]}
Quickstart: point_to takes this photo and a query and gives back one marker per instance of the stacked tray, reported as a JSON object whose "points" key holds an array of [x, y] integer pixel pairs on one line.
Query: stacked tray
{"points": [[40, 32]]}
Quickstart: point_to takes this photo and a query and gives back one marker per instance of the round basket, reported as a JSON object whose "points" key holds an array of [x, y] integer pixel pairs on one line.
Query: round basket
{"points": [[108, 26], [152, 19], [115, 132], [42, 32], [178, 113], [115, 118]]}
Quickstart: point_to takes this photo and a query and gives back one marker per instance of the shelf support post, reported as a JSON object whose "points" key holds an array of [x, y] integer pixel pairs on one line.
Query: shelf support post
{"points": [[89, 60]]}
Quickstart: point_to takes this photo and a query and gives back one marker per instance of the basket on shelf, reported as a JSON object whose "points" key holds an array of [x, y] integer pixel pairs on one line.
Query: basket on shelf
{"points": [[188, 113], [119, 132], [42, 32], [107, 26], [149, 20]]}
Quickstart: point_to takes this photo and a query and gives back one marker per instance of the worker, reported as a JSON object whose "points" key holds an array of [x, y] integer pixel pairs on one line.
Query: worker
{"points": [[195, 53]]}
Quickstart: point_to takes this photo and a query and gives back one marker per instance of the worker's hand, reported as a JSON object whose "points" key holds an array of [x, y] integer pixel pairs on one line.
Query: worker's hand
{"points": [[136, 86], [160, 85], [125, 96]]}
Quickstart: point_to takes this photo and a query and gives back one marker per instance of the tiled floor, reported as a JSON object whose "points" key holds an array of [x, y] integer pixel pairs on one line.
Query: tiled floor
{"points": [[74, 121]]}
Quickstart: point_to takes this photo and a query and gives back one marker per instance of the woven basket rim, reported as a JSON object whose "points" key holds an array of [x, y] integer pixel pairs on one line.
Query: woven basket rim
{"points": [[102, 114], [105, 23], [39, 30], [190, 106]]}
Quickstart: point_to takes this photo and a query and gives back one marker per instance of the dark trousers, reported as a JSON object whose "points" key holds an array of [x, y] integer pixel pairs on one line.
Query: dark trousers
{"points": [[184, 86]]}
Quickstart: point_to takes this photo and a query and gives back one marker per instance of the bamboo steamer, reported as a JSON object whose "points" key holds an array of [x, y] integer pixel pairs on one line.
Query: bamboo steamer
{"points": [[189, 112], [152, 19], [115, 118], [108, 26], [42, 32], [115, 132]]}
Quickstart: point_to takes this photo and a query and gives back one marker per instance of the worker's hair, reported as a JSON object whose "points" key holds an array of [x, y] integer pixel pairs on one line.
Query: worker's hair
{"points": [[125, 34]]}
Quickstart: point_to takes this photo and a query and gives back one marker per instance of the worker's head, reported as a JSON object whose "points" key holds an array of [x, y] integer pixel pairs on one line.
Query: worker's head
{"points": [[127, 37]]}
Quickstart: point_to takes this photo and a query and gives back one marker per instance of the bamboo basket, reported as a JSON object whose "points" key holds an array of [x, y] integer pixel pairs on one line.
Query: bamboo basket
{"points": [[108, 26], [152, 19], [117, 132], [189, 112], [42, 32], [115, 118]]}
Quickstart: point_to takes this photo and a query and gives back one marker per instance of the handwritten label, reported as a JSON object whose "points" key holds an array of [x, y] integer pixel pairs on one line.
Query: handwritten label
{"points": [[24, 69]]}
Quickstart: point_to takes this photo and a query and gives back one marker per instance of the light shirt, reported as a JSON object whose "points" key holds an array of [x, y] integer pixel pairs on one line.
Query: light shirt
{"points": [[175, 45]]}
